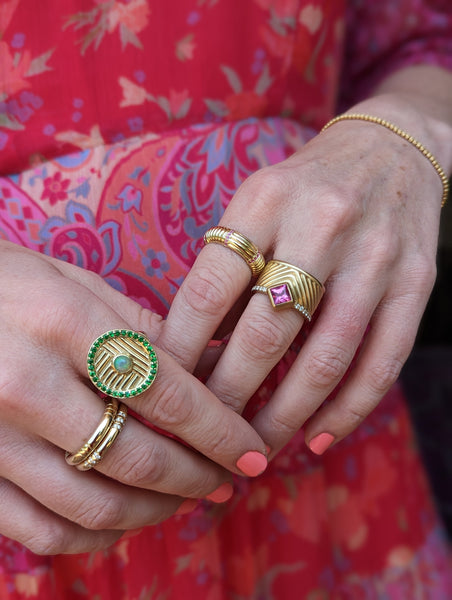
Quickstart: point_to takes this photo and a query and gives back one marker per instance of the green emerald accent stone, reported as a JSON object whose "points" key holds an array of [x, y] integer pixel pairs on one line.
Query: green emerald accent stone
{"points": [[122, 364]]}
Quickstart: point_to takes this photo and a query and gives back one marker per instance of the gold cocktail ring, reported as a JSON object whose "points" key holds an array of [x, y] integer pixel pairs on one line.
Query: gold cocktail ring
{"points": [[122, 363], [239, 244], [288, 286], [98, 436]]}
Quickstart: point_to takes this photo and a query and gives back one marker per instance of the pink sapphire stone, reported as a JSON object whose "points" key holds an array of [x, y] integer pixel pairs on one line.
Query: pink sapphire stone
{"points": [[280, 294]]}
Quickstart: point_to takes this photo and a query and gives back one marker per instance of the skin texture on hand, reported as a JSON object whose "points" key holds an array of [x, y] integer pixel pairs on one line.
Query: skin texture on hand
{"points": [[358, 207], [51, 312]]}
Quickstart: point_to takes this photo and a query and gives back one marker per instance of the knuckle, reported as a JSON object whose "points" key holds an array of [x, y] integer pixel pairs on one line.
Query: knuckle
{"points": [[337, 212], [326, 365], [267, 337], [267, 183], [141, 465], [383, 252], [170, 406], [46, 540], [285, 423], [204, 291], [383, 374], [104, 513]]}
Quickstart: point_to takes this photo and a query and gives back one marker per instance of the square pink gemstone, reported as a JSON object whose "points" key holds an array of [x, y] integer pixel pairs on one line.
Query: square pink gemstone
{"points": [[280, 294]]}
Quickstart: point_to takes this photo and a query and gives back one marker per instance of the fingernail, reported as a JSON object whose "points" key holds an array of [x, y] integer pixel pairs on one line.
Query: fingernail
{"points": [[221, 494], [321, 442], [187, 506], [268, 448], [252, 463], [215, 343], [132, 533]]}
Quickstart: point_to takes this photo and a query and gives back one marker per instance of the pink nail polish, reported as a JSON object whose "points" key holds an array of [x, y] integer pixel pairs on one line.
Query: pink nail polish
{"points": [[268, 448], [321, 442], [221, 494], [252, 463], [187, 506]]}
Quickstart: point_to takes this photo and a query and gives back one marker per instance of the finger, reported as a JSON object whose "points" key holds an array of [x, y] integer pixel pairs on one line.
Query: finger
{"points": [[206, 296], [259, 341], [88, 499], [387, 346], [139, 318], [41, 531], [140, 457], [322, 362], [56, 346]]}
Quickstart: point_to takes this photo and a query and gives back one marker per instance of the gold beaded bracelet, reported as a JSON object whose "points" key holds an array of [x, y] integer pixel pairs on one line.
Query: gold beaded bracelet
{"points": [[422, 149]]}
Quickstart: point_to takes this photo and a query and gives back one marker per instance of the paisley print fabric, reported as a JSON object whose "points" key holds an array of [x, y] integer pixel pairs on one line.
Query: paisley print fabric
{"points": [[120, 171]]}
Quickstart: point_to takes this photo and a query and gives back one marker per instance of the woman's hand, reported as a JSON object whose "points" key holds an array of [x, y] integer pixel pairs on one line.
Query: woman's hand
{"points": [[50, 312], [358, 207]]}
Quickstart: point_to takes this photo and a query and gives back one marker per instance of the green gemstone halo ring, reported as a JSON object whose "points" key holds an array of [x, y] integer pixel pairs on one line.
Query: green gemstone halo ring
{"points": [[122, 363]]}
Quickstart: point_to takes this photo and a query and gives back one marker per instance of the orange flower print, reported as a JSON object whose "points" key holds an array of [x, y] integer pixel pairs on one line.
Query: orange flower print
{"points": [[55, 188], [311, 17], [185, 48], [133, 15], [13, 73], [130, 18]]}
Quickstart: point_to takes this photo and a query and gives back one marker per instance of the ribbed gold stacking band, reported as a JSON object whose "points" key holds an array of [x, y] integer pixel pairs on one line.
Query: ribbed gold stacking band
{"points": [[101, 431], [239, 244], [288, 286], [403, 134], [92, 452]]}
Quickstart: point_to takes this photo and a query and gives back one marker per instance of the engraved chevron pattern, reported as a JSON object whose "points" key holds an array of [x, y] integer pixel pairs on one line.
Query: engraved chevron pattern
{"points": [[305, 289]]}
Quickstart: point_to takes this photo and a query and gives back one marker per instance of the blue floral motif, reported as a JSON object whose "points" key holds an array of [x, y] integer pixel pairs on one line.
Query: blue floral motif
{"points": [[78, 239], [131, 198], [155, 263]]}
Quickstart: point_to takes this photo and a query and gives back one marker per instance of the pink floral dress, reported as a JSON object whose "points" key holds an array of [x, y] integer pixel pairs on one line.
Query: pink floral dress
{"points": [[125, 128]]}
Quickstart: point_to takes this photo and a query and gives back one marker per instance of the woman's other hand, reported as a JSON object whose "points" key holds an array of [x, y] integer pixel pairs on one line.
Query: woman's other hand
{"points": [[358, 208], [50, 313]]}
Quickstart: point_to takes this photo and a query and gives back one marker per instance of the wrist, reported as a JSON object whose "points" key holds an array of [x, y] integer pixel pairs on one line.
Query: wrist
{"points": [[415, 117]]}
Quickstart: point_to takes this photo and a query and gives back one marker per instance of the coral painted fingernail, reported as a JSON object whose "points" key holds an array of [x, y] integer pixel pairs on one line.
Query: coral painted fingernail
{"points": [[268, 448], [252, 463], [187, 506], [221, 494], [321, 442], [215, 343]]}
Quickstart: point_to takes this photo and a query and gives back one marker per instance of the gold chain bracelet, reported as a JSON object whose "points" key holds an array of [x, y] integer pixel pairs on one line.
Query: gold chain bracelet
{"points": [[403, 134]]}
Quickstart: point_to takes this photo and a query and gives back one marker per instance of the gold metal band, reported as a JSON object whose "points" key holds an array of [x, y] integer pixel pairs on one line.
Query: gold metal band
{"points": [[403, 134], [239, 244], [288, 286], [99, 452], [94, 441]]}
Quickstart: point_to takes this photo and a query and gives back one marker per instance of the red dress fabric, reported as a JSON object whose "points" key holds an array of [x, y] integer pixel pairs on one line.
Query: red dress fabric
{"points": [[126, 127]]}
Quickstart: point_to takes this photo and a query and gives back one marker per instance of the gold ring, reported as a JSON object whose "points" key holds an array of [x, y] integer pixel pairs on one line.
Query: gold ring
{"points": [[122, 363], [99, 452], [290, 287], [239, 244], [104, 426]]}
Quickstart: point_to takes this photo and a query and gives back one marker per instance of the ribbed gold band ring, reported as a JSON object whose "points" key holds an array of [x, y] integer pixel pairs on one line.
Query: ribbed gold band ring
{"points": [[101, 431], [239, 244], [95, 457], [92, 452], [288, 286]]}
